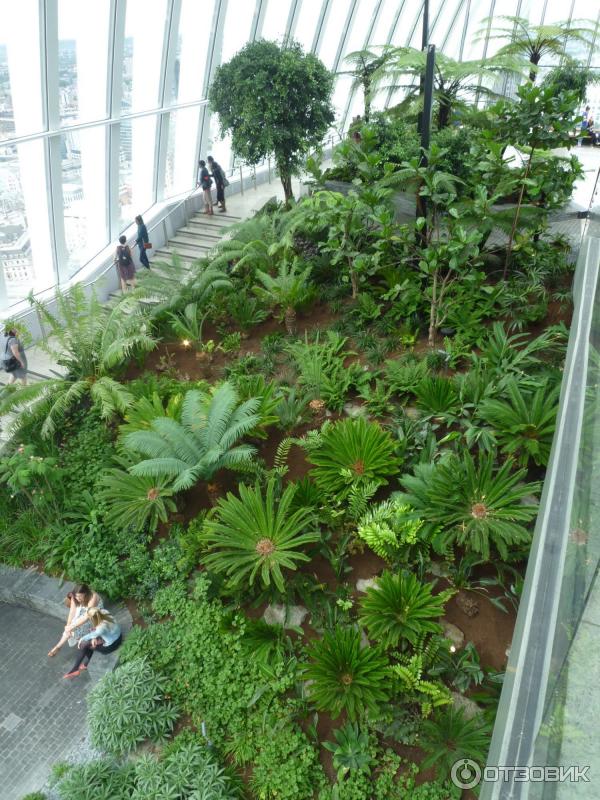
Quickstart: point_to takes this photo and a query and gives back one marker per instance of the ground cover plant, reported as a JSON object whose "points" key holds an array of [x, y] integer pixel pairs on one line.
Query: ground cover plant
{"points": [[323, 524]]}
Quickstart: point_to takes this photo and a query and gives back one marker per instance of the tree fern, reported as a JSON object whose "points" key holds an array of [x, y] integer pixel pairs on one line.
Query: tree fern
{"points": [[204, 441]]}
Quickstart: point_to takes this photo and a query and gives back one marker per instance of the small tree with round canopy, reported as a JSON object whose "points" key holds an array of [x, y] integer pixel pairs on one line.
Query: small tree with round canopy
{"points": [[274, 100]]}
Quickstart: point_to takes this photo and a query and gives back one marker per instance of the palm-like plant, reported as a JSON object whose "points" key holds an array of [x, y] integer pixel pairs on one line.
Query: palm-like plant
{"points": [[255, 536], [474, 504], [450, 736], [524, 421], [365, 65], [187, 324], [401, 609], [179, 284], [90, 340], [514, 353], [134, 500], [202, 443], [352, 453], [534, 42], [140, 414], [253, 244], [288, 289], [346, 676], [438, 396]]}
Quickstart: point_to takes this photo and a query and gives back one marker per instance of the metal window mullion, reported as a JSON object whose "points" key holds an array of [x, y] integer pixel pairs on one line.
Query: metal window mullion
{"points": [[463, 37], [393, 88], [169, 57], [366, 42], [393, 27], [485, 46], [595, 37], [54, 193], [214, 59], [341, 51], [517, 14], [323, 16], [115, 108], [292, 20], [260, 11]]}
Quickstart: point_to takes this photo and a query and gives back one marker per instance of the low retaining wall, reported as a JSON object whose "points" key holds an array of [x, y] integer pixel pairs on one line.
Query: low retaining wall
{"points": [[32, 589]]}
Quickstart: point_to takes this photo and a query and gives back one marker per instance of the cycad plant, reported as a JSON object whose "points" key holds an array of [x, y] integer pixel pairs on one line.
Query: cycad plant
{"points": [[351, 453], [400, 610], [187, 324], [205, 440], [438, 396], [524, 422], [287, 290], [347, 677], [91, 341], [472, 503], [179, 284], [256, 536], [140, 414], [449, 736]]}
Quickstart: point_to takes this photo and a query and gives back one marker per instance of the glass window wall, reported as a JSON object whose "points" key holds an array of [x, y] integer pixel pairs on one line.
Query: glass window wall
{"points": [[180, 167], [143, 49], [275, 20], [192, 50]]}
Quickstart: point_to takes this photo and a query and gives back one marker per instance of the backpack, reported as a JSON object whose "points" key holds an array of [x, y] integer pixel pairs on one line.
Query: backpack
{"points": [[123, 256]]}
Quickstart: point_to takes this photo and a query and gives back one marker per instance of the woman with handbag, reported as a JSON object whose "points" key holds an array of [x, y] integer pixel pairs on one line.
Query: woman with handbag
{"points": [[205, 182], [14, 360], [220, 182], [105, 637], [143, 241], [79, 602]]}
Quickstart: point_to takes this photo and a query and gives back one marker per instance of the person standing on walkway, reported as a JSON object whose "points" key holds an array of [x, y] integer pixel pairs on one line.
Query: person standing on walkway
{"points": [[105, 637], [220, 179], [142, 240], [14, 360], [205, 182], [124, 263]]}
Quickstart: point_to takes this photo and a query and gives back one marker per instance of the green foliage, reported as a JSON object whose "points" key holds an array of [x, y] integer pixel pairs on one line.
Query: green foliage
{"points": [[391, 531], [352, 452], [438, 396], [145, 409], [449, 736], [261, 97], [90, 340], [287, 290], [403, 376], [524, 422], [128, 706], [400, 609], [202, 443], [429, 694], [257, 386], [256, 536], [34, 796], [102, 779], [136, 501], [345, 676], [350, 750]]}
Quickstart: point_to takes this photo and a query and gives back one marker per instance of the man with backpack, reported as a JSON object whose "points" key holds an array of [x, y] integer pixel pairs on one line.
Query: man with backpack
{"points": [[220, 182], [205, 182], [124, 263]]}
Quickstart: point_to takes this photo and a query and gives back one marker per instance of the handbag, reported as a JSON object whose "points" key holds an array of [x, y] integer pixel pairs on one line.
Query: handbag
{"points": [[10, 363], [147, 245], [225, 182]]}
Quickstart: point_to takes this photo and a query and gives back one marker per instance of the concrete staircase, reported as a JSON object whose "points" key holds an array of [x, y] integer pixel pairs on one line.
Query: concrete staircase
{"points": [[198, 238]]}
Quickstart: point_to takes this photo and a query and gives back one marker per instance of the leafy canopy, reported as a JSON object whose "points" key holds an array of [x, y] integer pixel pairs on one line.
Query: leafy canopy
{"points": [[274, 101]]}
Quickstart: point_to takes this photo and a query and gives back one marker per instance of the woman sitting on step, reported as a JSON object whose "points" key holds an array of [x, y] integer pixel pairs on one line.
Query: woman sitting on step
{"points": [[105, 637], [78, 601]]}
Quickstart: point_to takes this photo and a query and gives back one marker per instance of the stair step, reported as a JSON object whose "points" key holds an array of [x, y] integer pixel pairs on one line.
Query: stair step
{"points": [[191, 241], [185, 253], [221, 221], [201, 231]]}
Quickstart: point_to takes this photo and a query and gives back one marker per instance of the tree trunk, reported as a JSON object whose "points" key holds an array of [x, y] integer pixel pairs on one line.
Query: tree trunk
{"points": [[444, 111], [516, 219], [433, 311], [290, 320], [535, 60], [354, 282], [367, 95], [286, 182]]}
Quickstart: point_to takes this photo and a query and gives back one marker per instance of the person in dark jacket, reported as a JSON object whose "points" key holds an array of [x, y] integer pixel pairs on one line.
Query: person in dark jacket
{"points": [[141, 240], [219, 178], [205, 182]]}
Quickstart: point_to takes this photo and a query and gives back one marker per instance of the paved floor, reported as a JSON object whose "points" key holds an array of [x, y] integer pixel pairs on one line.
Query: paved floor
{"points": [[42, 716]]}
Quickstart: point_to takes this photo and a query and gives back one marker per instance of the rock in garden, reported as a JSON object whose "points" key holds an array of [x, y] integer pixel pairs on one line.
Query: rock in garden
{"points": [[469, 708], [411, 412], [454, 634], [439, 569], [362, 584], [288, 616], [467, 604], [355, 410]]}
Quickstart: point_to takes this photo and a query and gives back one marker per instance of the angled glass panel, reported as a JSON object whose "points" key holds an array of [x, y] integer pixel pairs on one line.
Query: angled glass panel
{"points": [[383, 26], [275, 19], [359, 28], [533, 10], [409, 25], [306, 25], [238, 24], [180, 168], [21, 97], [142, 53], [136, 167], [581, 18], [474, 47], [446, 33], [219, 149], [335, 25], [83, 35], [340, 98], [192, 50], [25, 240], [83, 176]]}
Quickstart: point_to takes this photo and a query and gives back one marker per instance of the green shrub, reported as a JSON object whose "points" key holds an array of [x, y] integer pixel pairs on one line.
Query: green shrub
{"points": [[449, 736], [256, 536], [351, 453], [102, 779], [127, 707], [346, 676], [34, 796]]}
